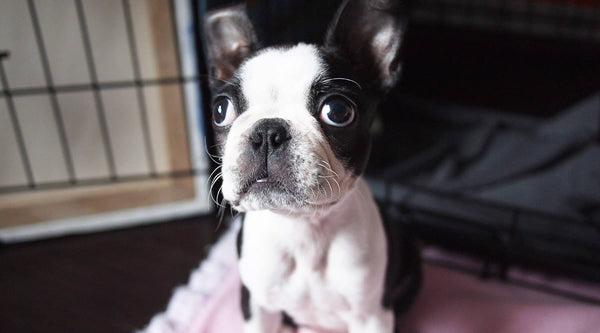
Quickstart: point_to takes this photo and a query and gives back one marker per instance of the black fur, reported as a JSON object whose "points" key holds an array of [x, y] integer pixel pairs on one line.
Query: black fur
{"points": [[245, 303], [232, 90], [403, 272], [245, 293], [354, 32], [350, 144], [288, 321], [240, 238]]}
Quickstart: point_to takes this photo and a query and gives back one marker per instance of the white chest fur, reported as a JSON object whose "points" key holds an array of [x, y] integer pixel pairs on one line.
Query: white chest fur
{"points": [[320, 269]]}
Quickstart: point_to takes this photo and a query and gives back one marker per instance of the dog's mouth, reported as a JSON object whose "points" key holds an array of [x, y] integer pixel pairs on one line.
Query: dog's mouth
{"points": [[293, 184], [262, 183], [268, 192]]}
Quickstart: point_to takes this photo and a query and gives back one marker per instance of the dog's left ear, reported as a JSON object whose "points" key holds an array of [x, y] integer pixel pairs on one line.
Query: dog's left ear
{"points": [[370, 32], [229, 39]]}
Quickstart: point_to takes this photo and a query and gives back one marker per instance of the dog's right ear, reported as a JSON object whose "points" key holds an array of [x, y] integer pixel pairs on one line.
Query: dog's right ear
{"points": [[229, 39], [369, 34]]}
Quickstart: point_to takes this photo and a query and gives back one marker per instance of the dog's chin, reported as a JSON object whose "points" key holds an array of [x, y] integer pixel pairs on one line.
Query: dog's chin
{"points": [[282, 196]]}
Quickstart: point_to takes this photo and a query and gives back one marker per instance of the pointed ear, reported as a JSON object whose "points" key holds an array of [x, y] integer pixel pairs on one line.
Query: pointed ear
{"points": [[229, 39], [370, 33]]}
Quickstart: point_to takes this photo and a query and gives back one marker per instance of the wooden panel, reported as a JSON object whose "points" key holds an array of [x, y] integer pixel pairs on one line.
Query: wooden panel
{"points": [[175, 127], [153, 30], [60, 30], [31, 207], [41, 138], [82, 129], [108, 37], [23, 67], [165, 112], [157, 128], [12, 172], [125, 130]]}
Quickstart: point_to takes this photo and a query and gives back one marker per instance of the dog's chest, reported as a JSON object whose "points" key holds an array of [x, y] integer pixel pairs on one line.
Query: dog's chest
{"points": [[307, 270]]}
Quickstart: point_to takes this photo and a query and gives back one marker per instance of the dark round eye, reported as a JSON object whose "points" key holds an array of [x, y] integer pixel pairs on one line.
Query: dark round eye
{"points": [[223, 112], [337, 111]]}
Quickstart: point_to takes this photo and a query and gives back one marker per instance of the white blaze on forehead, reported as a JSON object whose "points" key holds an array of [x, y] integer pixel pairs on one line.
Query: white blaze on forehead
{"points": [[280, 79]]}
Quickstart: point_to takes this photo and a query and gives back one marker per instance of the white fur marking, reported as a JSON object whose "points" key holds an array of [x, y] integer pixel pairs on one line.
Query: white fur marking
{"points": [[286, 74], [327, 271]]}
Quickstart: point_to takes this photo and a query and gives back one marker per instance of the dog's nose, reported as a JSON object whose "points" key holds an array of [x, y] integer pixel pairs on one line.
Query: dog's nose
{"points": [[269, 135]]}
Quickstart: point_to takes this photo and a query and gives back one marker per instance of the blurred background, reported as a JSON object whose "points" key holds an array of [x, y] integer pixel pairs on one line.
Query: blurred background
{"points": [[488, 147]]}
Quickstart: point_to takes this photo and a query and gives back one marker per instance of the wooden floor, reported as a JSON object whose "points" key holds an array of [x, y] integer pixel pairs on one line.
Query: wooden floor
{"points": [[107, 282]]}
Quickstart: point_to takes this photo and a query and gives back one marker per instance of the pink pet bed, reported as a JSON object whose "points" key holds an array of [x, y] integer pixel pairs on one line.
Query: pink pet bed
{"points": [[450, 302]]}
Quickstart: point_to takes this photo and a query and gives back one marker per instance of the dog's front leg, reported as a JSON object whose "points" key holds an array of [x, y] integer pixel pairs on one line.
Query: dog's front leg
{"points": [[258, 319], [379, 321]]}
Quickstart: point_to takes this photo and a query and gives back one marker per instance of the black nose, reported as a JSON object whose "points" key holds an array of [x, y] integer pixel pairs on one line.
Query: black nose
{"points": [[269, 136]]}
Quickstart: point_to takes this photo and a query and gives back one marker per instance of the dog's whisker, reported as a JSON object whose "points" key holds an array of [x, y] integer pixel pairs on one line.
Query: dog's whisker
{"points": [[335, 173], [218, 145], [215, 178], [321, 192], [312, 194], [213, 198], [221, 213], [213, 158], [214, 182], [337, 183], [215, 170], [219, 205], [220, 216], [219, 192], [343, 79], [330, 189], [220, 219], [338, 186], [330, 176], [209, 179], [327, 167], [332, 196], [216, 78]]}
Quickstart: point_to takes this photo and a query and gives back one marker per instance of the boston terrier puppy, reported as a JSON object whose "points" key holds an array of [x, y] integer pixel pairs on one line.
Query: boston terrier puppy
{"points": [[292, 126]]}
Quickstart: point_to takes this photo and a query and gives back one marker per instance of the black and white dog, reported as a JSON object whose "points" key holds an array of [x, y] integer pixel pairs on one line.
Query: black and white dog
{"points": [[292, 124]]}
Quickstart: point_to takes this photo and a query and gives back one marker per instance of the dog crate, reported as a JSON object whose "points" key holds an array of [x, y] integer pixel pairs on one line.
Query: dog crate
{"points": [[99, 120], [489, 147], [496, 127]]}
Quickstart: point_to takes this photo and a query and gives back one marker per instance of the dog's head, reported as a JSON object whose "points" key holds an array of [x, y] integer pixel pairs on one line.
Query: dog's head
{"points": [[292, 122]]}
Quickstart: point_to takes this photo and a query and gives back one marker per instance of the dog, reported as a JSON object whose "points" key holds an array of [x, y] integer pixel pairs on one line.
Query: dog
{"points": [[291, 125]]}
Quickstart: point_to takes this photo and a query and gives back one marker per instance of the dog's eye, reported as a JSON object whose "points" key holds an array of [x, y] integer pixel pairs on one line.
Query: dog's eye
{"points": [[223, 112], [337, 111]]}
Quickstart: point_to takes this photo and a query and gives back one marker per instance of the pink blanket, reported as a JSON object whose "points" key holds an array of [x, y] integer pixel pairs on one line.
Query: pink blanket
{"points": [[450, 302]]}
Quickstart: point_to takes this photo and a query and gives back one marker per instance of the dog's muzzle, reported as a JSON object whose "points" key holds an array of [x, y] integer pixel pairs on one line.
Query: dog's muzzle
{"points": [[268, 138], [267, 152]]}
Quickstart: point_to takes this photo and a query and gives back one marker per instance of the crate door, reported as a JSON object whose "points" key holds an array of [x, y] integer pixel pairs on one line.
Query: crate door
{"points": [[97, 114]]}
